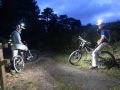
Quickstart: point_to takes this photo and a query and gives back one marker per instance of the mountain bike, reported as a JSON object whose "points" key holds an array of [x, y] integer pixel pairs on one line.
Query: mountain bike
{"points": [[23, 57], [105, 58]]}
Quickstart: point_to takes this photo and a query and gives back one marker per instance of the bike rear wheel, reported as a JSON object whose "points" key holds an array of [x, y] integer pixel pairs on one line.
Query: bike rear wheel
{"points": [[75, 57], [18, 63], [106, 60]]}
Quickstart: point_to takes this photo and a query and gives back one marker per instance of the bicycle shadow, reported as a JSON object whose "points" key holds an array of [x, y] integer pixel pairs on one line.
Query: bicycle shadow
{"points": [[112, 64], [117, 64]]}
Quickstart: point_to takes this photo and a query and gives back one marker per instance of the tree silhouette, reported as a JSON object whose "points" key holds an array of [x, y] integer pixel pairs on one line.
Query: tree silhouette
{"points": [[114, 28], [47, 29], [46, 16], [0, 3], [14, 11]]}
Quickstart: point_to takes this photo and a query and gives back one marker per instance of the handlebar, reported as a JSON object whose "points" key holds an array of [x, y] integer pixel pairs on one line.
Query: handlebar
{"points": [[83, 40]]}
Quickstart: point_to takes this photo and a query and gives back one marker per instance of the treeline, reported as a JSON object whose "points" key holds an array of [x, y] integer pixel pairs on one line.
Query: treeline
{"points": [[45, 29]]}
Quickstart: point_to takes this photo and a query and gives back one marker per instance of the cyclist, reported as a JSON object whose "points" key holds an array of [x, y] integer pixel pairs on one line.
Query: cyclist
{"points": [[17, 43], [102, 42]]}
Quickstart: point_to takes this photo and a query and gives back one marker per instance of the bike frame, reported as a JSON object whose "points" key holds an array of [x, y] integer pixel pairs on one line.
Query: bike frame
{"points": [[76, 55], [85, 45]]}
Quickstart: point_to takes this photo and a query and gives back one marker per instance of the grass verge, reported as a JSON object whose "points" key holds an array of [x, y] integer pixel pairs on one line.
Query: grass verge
{"points": [[84, 64]]}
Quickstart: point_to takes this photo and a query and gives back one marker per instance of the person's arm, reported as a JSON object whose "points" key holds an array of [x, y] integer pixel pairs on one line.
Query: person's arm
{"points": [[19, 38], [20, 42], [101, 39]]}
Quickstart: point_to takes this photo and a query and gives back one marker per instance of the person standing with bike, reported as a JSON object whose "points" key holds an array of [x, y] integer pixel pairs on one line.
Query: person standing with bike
{"points": [[17, 43], [102, 42]]}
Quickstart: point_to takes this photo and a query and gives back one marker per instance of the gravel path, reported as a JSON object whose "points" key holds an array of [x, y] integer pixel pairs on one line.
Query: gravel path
{"points": [[44, 73]]}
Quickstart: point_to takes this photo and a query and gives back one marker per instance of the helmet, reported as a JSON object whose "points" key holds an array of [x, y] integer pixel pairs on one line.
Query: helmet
{"points": [[99, 22], [21, 25]]}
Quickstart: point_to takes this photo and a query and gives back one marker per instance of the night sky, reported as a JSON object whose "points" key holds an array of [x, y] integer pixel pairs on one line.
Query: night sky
{"points": [[88, 11]]}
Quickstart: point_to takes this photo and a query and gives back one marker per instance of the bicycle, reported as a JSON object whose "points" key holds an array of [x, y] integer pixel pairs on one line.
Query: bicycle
{"points": [[105, 58], [23, 57]]}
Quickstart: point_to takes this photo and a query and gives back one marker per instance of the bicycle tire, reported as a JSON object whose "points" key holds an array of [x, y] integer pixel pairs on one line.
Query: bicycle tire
{"points": [[18, 63], [75, 57], [106, 60]]}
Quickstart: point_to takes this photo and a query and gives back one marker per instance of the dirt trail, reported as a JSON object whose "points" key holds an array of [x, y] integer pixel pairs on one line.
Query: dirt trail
{"points": [[44, 73]]}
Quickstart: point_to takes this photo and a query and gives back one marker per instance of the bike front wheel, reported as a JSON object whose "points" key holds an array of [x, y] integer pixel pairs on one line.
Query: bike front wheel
{"points": [[75, 57], [18, 63], [106, 60]]}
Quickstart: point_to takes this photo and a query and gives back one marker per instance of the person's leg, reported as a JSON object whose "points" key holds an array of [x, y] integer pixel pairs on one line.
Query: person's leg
{"points": [[27, 51], [95, 52], [29, 55], [21, 47], [14, 53]]}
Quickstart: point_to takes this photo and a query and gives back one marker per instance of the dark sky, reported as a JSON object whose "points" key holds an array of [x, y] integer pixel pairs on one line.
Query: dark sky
{"points": [[88, 11]]}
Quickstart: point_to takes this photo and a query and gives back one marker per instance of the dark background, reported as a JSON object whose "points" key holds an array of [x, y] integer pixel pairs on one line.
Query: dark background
{"points": [[46, 30]]}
